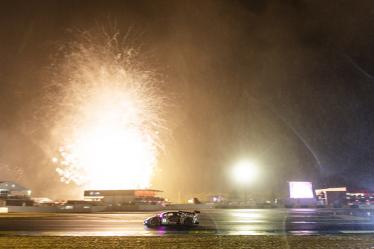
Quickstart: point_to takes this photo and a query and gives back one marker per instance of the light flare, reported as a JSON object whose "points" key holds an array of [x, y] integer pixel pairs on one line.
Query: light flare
{"points": [[245, 172]]}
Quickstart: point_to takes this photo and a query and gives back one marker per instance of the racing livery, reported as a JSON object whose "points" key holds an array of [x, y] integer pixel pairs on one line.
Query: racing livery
{"points": [[173, 218]]}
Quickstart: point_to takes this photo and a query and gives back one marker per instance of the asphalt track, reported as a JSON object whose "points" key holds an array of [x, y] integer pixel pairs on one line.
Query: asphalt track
{"points": [[212, 221]]}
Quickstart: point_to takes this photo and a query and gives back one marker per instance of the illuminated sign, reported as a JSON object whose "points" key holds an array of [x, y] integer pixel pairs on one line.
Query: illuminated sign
{"points": [[301, 190]]}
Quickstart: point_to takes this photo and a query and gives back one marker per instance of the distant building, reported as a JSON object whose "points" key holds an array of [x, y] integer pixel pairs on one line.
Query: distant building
{"points": [[343, 196], [43, 201], [333, 197], [124, 198], [12, 189], [14, 194], [360, 198]]}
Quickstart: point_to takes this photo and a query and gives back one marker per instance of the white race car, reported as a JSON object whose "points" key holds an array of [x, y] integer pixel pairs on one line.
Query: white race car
{"points": [[173, 218]]}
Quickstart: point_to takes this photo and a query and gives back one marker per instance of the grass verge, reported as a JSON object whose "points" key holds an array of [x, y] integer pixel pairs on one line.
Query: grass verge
{"points": [[192, 242]]}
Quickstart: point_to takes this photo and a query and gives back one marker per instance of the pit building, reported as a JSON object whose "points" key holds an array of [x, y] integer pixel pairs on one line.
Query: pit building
{"points": [[13, 194], [125, 199]]}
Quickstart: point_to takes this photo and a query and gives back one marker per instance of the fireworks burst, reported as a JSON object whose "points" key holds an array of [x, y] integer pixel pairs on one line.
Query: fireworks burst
{"points": [[107, 111]]}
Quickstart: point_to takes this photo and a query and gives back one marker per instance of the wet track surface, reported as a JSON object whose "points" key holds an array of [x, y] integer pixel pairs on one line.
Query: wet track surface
{"points": [[213, 221]]}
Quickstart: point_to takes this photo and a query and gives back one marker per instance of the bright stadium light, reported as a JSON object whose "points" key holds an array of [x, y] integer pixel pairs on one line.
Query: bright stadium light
{"points": [[245, 172]]}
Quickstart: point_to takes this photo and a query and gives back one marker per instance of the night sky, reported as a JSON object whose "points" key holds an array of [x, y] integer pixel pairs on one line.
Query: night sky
{"points": [[286, 83]]}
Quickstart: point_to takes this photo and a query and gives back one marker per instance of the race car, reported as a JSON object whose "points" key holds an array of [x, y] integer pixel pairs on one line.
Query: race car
{"points": [[173, 218]]}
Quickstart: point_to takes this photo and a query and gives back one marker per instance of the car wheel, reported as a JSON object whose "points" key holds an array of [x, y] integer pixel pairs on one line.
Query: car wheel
{"points": [[155, 222], [188, 221]]}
